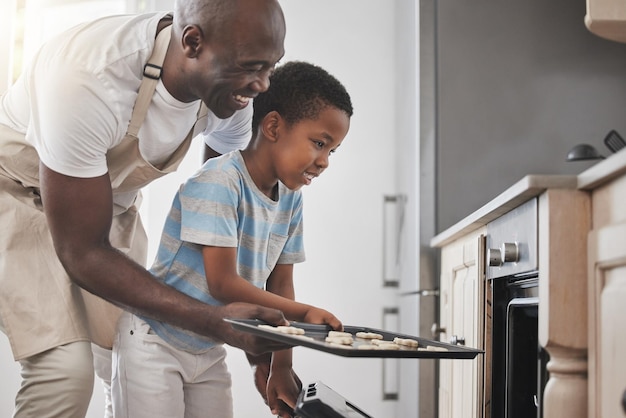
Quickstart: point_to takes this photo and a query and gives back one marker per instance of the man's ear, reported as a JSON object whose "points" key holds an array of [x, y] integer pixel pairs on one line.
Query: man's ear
{"points": [[192, 40], [270, 125]]}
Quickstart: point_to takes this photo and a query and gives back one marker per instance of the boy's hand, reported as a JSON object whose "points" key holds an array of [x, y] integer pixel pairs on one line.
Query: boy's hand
{"points": [[320, 316]]}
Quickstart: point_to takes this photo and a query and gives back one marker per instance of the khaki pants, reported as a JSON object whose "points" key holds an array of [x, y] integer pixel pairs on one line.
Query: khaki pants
{"points": [[52, 389], [56, 383]]}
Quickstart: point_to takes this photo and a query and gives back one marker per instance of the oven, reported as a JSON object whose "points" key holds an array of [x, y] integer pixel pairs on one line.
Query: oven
{"points": [[515, 363]]}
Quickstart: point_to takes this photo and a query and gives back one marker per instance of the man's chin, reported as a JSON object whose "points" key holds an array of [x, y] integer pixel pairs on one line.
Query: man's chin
{"points": [[222, 113]]}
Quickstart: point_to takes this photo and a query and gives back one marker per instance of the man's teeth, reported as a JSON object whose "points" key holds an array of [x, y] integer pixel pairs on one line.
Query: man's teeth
{"points": [[242, 99], [309, 176]]}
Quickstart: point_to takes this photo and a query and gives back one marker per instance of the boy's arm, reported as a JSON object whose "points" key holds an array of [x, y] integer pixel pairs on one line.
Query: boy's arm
{"points": [[226, 285]]}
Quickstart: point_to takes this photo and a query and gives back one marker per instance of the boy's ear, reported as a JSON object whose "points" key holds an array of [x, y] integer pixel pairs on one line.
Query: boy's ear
{"points": [[270, 125]]}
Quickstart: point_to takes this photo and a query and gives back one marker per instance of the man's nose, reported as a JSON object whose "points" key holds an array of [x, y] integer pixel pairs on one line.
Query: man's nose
{"points": [[262, 81]]}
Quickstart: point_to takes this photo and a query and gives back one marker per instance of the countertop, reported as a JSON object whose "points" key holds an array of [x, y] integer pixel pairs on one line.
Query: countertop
{"points": [[603, 172], [530, 186]]}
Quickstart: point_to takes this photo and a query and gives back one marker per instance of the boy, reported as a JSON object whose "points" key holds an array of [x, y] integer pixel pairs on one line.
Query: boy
{"points": [[235, 229]]}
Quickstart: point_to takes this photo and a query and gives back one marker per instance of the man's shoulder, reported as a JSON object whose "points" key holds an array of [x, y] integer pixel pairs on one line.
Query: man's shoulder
{"points": [[99, 44]]}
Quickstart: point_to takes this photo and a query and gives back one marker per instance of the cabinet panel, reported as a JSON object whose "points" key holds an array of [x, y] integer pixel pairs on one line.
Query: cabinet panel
{"points": [[607, 310], [612, 341], [462, 290]]}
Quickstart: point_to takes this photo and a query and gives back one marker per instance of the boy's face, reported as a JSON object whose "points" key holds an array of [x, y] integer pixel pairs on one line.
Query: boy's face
{"points": [[303, 148]]}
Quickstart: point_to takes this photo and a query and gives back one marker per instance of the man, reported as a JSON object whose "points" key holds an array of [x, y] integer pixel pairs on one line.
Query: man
{"points": [[103, 110]]}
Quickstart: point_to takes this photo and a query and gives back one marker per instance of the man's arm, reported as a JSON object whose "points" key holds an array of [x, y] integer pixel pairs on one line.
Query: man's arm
{"points": [[79, 214]]}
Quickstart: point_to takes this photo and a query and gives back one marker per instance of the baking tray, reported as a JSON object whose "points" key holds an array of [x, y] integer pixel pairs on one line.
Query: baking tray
{"points": [[318, 334]]}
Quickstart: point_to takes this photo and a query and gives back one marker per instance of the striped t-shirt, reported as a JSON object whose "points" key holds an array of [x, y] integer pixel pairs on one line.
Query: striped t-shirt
{"points": [[221, 206]]}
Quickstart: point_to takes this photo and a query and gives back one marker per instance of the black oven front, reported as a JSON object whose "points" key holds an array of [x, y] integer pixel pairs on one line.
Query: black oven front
{"points": [[518, 362]]}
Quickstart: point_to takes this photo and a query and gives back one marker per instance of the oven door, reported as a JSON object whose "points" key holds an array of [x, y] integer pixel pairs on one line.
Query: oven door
{"points": [[517, 360], [522, 396]]}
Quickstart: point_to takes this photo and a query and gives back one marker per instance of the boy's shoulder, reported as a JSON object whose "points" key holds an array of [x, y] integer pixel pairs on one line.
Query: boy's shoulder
{"points": [[226, 168], [231, 161]]}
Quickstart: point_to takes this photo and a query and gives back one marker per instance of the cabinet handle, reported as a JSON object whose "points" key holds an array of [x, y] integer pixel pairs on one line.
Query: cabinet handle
{"points": [[391, 366], [393, 223], [436, 330], [422, 292], [457, 340]]}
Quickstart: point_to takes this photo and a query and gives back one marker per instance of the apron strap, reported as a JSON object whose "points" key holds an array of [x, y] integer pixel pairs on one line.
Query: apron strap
{"points": [[151, 74], [201, 121]]}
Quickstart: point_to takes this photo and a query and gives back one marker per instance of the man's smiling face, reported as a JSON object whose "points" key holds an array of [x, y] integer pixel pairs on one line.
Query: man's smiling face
{"points": [[234, 66]]}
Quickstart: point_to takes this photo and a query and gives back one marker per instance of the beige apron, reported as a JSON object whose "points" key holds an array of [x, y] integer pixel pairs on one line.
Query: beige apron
{"points": [[40, 307]]}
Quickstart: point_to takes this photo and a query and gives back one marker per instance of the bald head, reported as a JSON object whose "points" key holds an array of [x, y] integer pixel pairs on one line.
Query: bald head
{"points": [[220, 19]]}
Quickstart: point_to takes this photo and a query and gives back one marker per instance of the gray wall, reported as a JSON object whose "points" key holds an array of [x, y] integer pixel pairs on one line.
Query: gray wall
{"points": [[518, 84]]}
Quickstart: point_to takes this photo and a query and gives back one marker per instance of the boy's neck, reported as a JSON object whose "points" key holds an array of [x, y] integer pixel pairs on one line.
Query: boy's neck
{"points": [[259, 170]]}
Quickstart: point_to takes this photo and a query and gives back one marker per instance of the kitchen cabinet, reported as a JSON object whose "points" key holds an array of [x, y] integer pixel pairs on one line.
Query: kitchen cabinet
{"points": [[581, 272], [607, 19], [462, 290], [563, 219], [607, 287]]}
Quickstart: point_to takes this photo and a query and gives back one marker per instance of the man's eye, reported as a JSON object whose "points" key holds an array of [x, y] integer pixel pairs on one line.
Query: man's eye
{"points": [[319, 144], [252, 68]]}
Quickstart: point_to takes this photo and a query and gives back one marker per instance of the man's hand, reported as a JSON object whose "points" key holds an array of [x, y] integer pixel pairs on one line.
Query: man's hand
{"points": [[283, 388], [282, 398], [246, 341], [261, 372]]}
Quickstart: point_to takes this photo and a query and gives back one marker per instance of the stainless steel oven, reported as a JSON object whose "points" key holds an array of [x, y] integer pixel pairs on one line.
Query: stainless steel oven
{"points": [[317, 400], [515, 361]]}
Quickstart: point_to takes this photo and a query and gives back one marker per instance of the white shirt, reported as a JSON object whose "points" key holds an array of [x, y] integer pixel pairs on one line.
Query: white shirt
{"points": [[74, 102]]}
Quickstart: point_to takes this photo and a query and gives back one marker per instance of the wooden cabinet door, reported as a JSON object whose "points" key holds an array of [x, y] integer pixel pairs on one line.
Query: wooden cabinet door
{"points": [[462, 317], [607, 311]]}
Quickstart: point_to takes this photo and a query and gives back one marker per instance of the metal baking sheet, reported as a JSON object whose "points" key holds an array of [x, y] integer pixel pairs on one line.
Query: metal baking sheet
{"points": [[318, 334]]}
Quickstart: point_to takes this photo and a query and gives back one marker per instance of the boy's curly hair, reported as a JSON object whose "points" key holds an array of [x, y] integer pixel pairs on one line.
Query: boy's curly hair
{"points": [[300, 90]]}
